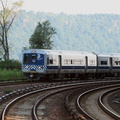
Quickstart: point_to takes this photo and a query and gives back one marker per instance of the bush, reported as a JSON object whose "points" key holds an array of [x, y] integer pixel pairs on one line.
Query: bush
{"points": [[7, 91], [10, 74], [10, 64], [10, 69]]}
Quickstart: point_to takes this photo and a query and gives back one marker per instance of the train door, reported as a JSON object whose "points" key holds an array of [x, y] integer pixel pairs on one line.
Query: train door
{"points": [[86, 63], [111, 64], [59, 63]]}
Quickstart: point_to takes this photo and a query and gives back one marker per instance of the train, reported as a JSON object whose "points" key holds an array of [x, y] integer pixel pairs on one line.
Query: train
{"points": [[51, 64]]}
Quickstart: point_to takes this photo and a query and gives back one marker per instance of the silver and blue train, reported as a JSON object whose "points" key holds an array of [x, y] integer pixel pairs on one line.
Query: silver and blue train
{"points": [[50, 64]]}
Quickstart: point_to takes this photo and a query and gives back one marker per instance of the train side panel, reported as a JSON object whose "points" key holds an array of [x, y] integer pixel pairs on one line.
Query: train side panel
{"points": [[104, 63], [52, 62], [73, 63], [91, 62], [115, 63]]}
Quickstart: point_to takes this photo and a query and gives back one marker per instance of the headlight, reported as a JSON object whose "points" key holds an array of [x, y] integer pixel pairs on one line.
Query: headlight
{"points": [[39, 67], [26, 67]]}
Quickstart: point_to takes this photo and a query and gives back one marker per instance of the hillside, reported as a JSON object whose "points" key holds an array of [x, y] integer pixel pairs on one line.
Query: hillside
{"points": [[95, 33]]}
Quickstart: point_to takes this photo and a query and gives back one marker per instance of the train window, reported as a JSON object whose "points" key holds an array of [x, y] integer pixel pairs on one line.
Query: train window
{"points": [[54, 61], [33, 58], [74, 61], [47, 61], [51, 61], [103, 62], [67, 61], [92, 62], [26, 58], [80, 62], [117, 62]]}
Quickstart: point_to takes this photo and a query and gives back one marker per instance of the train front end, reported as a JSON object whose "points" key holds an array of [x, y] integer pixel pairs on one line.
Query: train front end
{"points": [[34, 64]]}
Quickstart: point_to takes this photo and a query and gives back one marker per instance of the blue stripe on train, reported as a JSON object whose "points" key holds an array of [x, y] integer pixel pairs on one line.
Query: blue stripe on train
{"points": [[52, 67], [82, 67], [71, 67], [116, 67], [104, 67]]}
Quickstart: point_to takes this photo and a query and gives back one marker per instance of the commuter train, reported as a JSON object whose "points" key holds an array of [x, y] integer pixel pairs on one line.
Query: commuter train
{"points": [[51, 64]]}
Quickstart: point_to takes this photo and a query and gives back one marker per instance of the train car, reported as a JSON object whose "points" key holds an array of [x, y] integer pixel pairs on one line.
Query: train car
{"points": [[76, 64], [91, 63], [115, 64], [108, 65], [104, 63], [34, 62], [39, 63], [68, 63]]}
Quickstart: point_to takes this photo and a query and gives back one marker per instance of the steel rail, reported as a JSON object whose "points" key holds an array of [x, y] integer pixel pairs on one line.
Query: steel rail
{"points": [[6, 109], [86, 92], [51, 85], [34, 109], [114, 115]]}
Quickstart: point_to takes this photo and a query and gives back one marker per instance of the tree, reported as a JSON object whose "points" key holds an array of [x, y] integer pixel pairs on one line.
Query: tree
{"points": [[8, 12], [41, 38]]}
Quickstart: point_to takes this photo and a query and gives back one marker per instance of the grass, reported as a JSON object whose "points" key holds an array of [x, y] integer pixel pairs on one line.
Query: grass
{"points": [[10, 74], [7, 91]]}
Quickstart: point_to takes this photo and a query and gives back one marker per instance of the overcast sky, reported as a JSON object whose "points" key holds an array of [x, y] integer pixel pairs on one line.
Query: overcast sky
{"points": [[73, 6]]}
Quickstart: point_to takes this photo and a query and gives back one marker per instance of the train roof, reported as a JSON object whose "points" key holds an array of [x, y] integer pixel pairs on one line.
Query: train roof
{"points": [[45, 51], [34, 51], [109, 55]]}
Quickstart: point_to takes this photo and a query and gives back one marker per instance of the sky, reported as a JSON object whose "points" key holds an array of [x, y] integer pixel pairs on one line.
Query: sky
{"points": [[73, 6]]}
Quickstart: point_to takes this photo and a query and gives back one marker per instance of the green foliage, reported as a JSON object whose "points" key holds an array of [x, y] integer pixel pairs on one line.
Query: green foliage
{"points": [[10, 69], [7, 91], [93, 33], [10, 64], [41, 38], [10, 74]]}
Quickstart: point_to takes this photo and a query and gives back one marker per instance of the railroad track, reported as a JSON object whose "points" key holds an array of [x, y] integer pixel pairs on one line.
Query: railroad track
{"points": [[90, 104], [106, 106], [41, 99], [48, 87]]}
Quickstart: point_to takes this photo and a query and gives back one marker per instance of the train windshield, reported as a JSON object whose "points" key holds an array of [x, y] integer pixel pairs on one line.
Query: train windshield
{"points": [[33, 58], [30, 58]]}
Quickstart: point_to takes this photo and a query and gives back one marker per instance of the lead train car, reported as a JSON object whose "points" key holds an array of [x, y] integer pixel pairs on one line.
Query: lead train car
{"points": [[50, 64]]}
